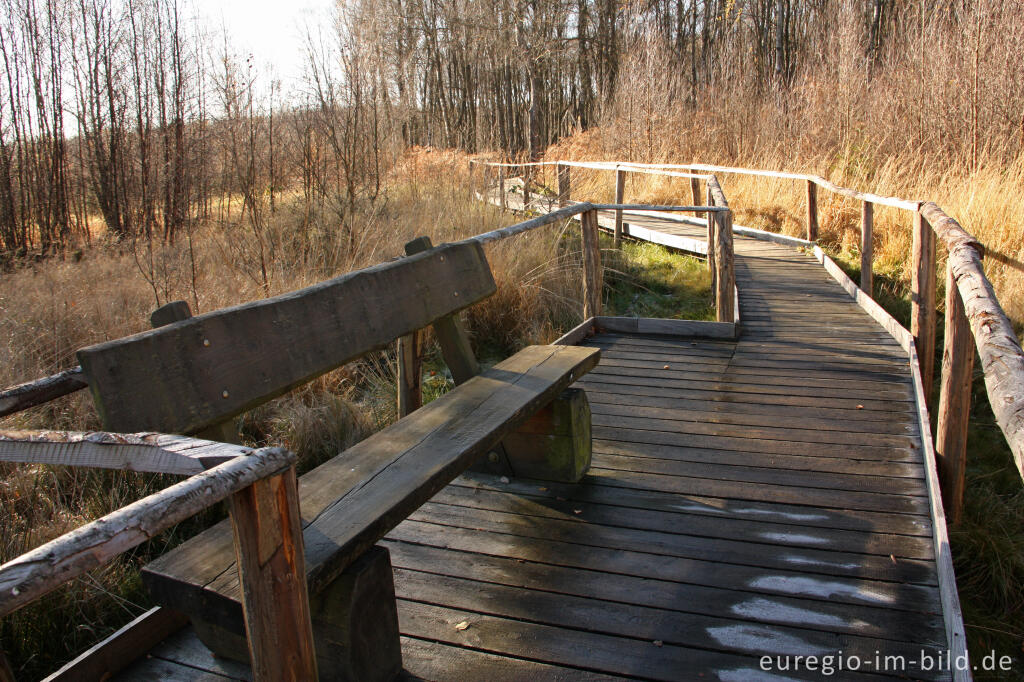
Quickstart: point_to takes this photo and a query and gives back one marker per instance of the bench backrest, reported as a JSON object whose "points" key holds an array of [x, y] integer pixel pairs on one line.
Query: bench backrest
{"points": [[192, 374]]}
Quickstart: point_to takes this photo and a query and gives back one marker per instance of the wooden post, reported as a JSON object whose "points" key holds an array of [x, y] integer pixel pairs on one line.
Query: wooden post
{"points": [[695, 193], [271, 571], [593, 278], [922, 300], [175, 311], [620, 189], [502, 200], [712, 221], [812, 211], [525, 173], [954, 401], [866, 219], [451, 335], [725, 279], [409, 352], [564, 184]]}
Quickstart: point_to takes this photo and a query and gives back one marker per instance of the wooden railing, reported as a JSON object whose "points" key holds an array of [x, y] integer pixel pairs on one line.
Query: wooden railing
{"points": [[260, 485], [972, 310], [719, 239]]}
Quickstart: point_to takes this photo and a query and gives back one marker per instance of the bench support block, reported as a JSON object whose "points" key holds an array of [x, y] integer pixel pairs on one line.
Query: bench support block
{"points": [[355, 625], [555, 445]]}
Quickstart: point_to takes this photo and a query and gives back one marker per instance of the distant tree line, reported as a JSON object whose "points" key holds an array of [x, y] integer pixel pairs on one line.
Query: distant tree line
{"points": [[122, 113]]}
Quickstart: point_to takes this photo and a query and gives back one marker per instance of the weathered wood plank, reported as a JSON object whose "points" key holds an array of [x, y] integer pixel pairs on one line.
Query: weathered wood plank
{"points": [[650, 325], [196, 373], [153, 452], [812, 212], [32, 393], [564, 185], [866, 248], [922, 299], [35, 573], [620, 188], [119, 650]]}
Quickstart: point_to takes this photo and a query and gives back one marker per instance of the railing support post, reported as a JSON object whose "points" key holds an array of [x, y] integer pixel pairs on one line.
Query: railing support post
{"points": [[712, 220], [620, 190], [526, 170], [695, 193], [725, 278], [271, 570], [867, 212], [922, 300], [593, 276], [564, 184], [954, 401], [502, 198], [812, 211]]}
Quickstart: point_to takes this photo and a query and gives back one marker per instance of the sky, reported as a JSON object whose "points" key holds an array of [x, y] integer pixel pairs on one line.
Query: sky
{"points": [[273, 31]]}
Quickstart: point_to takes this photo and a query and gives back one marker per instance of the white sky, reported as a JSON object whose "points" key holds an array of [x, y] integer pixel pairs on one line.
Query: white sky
{"points": [[273, 31]]}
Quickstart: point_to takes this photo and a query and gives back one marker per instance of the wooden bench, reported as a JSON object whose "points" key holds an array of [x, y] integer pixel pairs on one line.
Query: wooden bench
{"points": [[192, 375]]}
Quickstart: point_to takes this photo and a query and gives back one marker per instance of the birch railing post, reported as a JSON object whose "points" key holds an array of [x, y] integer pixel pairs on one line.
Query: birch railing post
{"points": [[620, 190], [271, 568], [867, 212], [695, 193], [502, 199], [954, 400], [812, 211], [592, 274], [564, 184], [922, 300], [725, 278]]}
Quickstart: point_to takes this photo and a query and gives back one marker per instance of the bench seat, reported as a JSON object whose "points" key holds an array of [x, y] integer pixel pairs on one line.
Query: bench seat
{"points": [[350, 502]]}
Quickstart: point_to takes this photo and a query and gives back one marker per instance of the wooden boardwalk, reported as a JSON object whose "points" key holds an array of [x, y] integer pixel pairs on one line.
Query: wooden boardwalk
{"points": [[759, 497]]}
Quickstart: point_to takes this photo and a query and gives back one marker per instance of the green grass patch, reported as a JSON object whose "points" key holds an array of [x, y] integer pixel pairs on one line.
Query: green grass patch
{"points": [[648, 280]]}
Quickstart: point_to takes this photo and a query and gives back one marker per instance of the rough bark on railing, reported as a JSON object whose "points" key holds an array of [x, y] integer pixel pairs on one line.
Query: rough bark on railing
{"points": [[1002, 359], [32, 575], [32, 393]]}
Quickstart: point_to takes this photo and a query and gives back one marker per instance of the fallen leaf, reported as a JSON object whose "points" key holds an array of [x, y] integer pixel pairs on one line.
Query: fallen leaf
{"points": [[577, 511], [464, 625], [504, 479], [666, 367], [542, 489], [658, 642], [860, 407], [893, 557]]}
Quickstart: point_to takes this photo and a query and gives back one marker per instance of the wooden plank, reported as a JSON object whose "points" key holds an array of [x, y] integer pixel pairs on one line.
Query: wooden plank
{"points": [[6, 672], [767, 582], [189, 375], [630, 621], [620, 188], [577, 334], [593, 276], [812, 212], [120, 649], [183, 651], [175, 311], [153, 452], [954, 402], [275, 601], [32, 393], [866, 248], [695, 194], [649, 325], [671, 597], [353, 500], [409, 351], [922, 299], [35, 573]]}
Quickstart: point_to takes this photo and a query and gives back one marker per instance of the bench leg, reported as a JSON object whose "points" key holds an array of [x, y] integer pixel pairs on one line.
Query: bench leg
{"points": [[355, 625], [555, 444]]}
